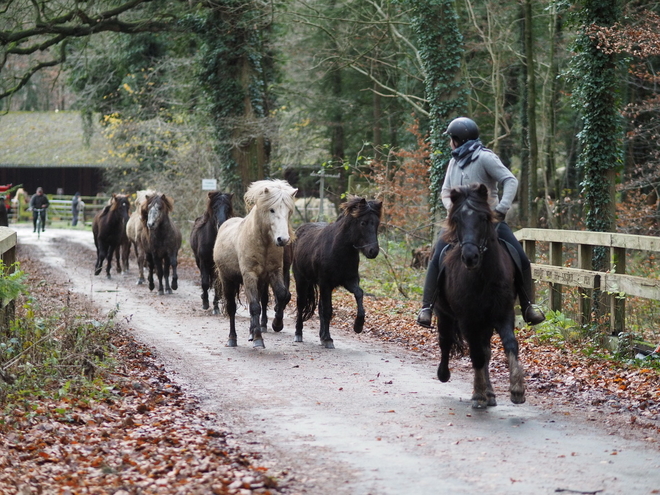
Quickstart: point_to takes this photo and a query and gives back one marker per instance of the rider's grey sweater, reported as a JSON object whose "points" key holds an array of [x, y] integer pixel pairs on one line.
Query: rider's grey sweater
{"points": [[484, 167]]}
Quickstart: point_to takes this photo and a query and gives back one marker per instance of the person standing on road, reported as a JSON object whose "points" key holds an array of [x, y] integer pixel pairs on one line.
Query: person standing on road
{"points": [[38, 204], [472, 163], [75, 208]]}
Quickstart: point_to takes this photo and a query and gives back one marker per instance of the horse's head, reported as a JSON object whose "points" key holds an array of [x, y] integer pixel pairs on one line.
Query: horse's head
{"points": [[158, 207], [220, 207], [470, 223], [273, 202], [122, 204], [366, 220]]}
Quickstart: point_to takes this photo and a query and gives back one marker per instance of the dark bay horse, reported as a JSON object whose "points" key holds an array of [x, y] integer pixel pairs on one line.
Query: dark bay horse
{"points": [[326, 256], [250, 252], [202, 239], [109, 231], [160, 241], [477, 295]]}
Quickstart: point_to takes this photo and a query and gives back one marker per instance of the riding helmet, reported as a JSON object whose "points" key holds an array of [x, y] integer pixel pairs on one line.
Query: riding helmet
{"points": [[462, 129]]}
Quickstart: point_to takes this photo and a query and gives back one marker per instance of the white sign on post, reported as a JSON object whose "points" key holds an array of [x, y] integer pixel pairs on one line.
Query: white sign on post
{"points": [[209, 184]]}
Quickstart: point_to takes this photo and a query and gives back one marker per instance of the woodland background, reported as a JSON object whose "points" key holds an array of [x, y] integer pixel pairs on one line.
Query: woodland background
{"points": [[565, 92]]}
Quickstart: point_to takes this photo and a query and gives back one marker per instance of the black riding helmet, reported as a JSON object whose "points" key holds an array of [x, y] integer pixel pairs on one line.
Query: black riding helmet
{"points": [[462, 129]]}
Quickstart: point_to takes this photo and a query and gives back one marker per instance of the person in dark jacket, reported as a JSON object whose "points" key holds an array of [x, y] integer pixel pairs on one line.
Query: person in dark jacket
{"points": [[38, 204], [75, 208], [473, 163]]}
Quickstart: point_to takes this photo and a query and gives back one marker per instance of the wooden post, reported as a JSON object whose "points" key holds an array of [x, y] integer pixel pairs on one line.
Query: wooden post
{"points": [[555, 289], [585, 255], [618, 303]]}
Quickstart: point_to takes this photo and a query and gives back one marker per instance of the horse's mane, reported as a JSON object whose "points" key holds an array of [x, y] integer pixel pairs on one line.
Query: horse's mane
{"points": [[168, 203], [215, 197], [141, 195], [473, 196], [278, 190], [114, 201], [357, 206]]}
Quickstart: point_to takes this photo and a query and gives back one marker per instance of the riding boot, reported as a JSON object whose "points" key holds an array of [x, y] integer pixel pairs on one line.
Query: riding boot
{"points": [[425, 315], [531, 313]]}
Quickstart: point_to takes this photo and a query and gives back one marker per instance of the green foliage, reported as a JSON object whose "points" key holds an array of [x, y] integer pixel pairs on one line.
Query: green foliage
{"points": [[440, 45], [557, 329], [52, 356], [12, 282]]}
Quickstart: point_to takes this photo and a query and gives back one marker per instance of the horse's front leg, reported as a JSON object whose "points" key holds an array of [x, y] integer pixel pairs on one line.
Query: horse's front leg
{"points": [[263, 323], [206, 284], [325, 315], [447, 338], [101, 254], [111, 250], [482, 393], [217, 288], [158, 261], [166, 274], [282, 298], [150, 264], [516, 372], [229, 294], [175, 277], [354, 287], [118, 257], [253, 295]]}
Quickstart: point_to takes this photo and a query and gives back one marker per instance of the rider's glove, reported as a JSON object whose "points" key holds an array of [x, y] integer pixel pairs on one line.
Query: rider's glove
{"points": [[499, 216]]}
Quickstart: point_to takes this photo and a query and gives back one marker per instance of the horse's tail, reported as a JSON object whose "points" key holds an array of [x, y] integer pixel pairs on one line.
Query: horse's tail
{"points": [[307, 301]]}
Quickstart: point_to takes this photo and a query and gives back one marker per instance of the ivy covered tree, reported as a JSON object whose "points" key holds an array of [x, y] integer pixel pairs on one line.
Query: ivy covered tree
{"points": [[440, 46], [597, 96]]}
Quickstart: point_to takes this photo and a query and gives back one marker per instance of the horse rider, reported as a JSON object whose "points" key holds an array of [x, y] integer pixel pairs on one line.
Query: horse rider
{"points": [[38, 204], [472, 163]]}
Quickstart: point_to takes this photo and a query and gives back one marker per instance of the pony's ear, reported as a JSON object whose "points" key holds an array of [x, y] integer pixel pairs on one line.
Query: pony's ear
{"points": [[211, 194], [455, 195], [377, 206], [295, 191], [482, 191]]}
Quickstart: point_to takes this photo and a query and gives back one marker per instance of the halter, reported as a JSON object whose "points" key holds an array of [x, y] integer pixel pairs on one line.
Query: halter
{"points": [[364, 246], [481, 247]]}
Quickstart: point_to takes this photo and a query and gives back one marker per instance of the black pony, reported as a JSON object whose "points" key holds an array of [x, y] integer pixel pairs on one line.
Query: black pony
{"points": [[326, 256], [109, 231], [202, 239], [477, 295], [160, 241]]}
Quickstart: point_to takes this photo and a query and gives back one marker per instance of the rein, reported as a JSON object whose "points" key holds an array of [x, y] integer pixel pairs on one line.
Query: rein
{"points": [[365, 245]]}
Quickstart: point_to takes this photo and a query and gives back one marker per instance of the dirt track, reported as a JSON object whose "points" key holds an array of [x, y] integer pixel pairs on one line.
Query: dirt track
{"points": [[364, 418]]}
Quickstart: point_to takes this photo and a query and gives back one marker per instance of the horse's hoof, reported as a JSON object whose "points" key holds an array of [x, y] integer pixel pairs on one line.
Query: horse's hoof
{"points": [[264, 329], [479, 403], [298, 338], [161, 292], [259, 343], [140, 281], [443, 374], [492, 402], [205, 305], [232, 343], [169, 291], [517, 398], [175, 285], [216, 311], [108, 277], [358, 325], [278, 325], [328, 344], [96, 272]]}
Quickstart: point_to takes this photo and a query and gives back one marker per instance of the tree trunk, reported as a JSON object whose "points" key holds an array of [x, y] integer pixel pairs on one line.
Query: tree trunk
{"points": [[531, 116]]}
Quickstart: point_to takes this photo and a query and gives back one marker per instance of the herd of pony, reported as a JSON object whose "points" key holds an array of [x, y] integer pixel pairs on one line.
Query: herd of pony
{"points": [[256, 253]]}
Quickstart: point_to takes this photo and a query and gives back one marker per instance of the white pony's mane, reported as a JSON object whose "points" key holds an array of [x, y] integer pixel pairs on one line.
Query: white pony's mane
{"points": [[278, 190]]}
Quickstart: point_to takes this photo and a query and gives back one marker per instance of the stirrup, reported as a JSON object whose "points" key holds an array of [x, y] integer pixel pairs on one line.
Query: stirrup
{"points": [[533, 315], [425, 317]]}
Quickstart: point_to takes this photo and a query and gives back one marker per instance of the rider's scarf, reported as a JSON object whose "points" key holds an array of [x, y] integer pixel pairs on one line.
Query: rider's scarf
{"points": [[467, 152]]}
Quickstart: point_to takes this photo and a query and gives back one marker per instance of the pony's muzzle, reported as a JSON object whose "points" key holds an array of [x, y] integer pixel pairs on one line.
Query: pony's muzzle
{"points": [[470, 256], [371, 252], [282, 241]]}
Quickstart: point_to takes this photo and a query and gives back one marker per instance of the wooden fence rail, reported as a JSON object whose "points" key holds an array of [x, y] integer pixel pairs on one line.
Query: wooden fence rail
{"points": [[615, 283], [8, 255]]}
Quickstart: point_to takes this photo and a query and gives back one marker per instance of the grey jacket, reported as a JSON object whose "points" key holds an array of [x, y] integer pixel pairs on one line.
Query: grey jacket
{"points": [[484, 167]]}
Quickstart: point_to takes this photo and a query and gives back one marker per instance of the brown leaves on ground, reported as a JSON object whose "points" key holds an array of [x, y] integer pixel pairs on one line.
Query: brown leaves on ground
{"points": [[569, 376], [143, 435]]}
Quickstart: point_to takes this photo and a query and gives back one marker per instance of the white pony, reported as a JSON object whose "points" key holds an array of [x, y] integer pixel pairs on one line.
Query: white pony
{"points": [[249, 251], [134, 228]]}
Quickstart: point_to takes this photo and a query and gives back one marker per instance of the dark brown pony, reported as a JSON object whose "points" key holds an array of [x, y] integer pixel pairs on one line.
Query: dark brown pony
{"points": [[109, 231], [160, 241], [477, 295], [202, 239], [326, 256]]}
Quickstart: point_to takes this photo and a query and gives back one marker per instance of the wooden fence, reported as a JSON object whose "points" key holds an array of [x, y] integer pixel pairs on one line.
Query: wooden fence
{"points": [[614, 283], [60, 209], [8, 255]]}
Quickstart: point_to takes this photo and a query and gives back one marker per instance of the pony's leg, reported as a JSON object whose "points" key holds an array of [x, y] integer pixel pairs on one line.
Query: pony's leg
{"points": [[229, 294], [100, 258], [158, 261], [175, 277], [111, 250], [206, 284], [166, 274], [354, 287], [325, 315], [282, 297], [446, 337], [118, 257], [216, 295], [302, 296], [263, 323], [150, 277], [516, 372], [253, 296], [141, 257], [480, 356]]}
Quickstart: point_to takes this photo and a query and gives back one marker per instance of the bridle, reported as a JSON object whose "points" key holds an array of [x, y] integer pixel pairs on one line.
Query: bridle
{"points": [[482, 246]]}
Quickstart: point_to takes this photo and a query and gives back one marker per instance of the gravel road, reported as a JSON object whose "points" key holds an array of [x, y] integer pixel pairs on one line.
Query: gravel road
{"points": [[364, 418]]}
